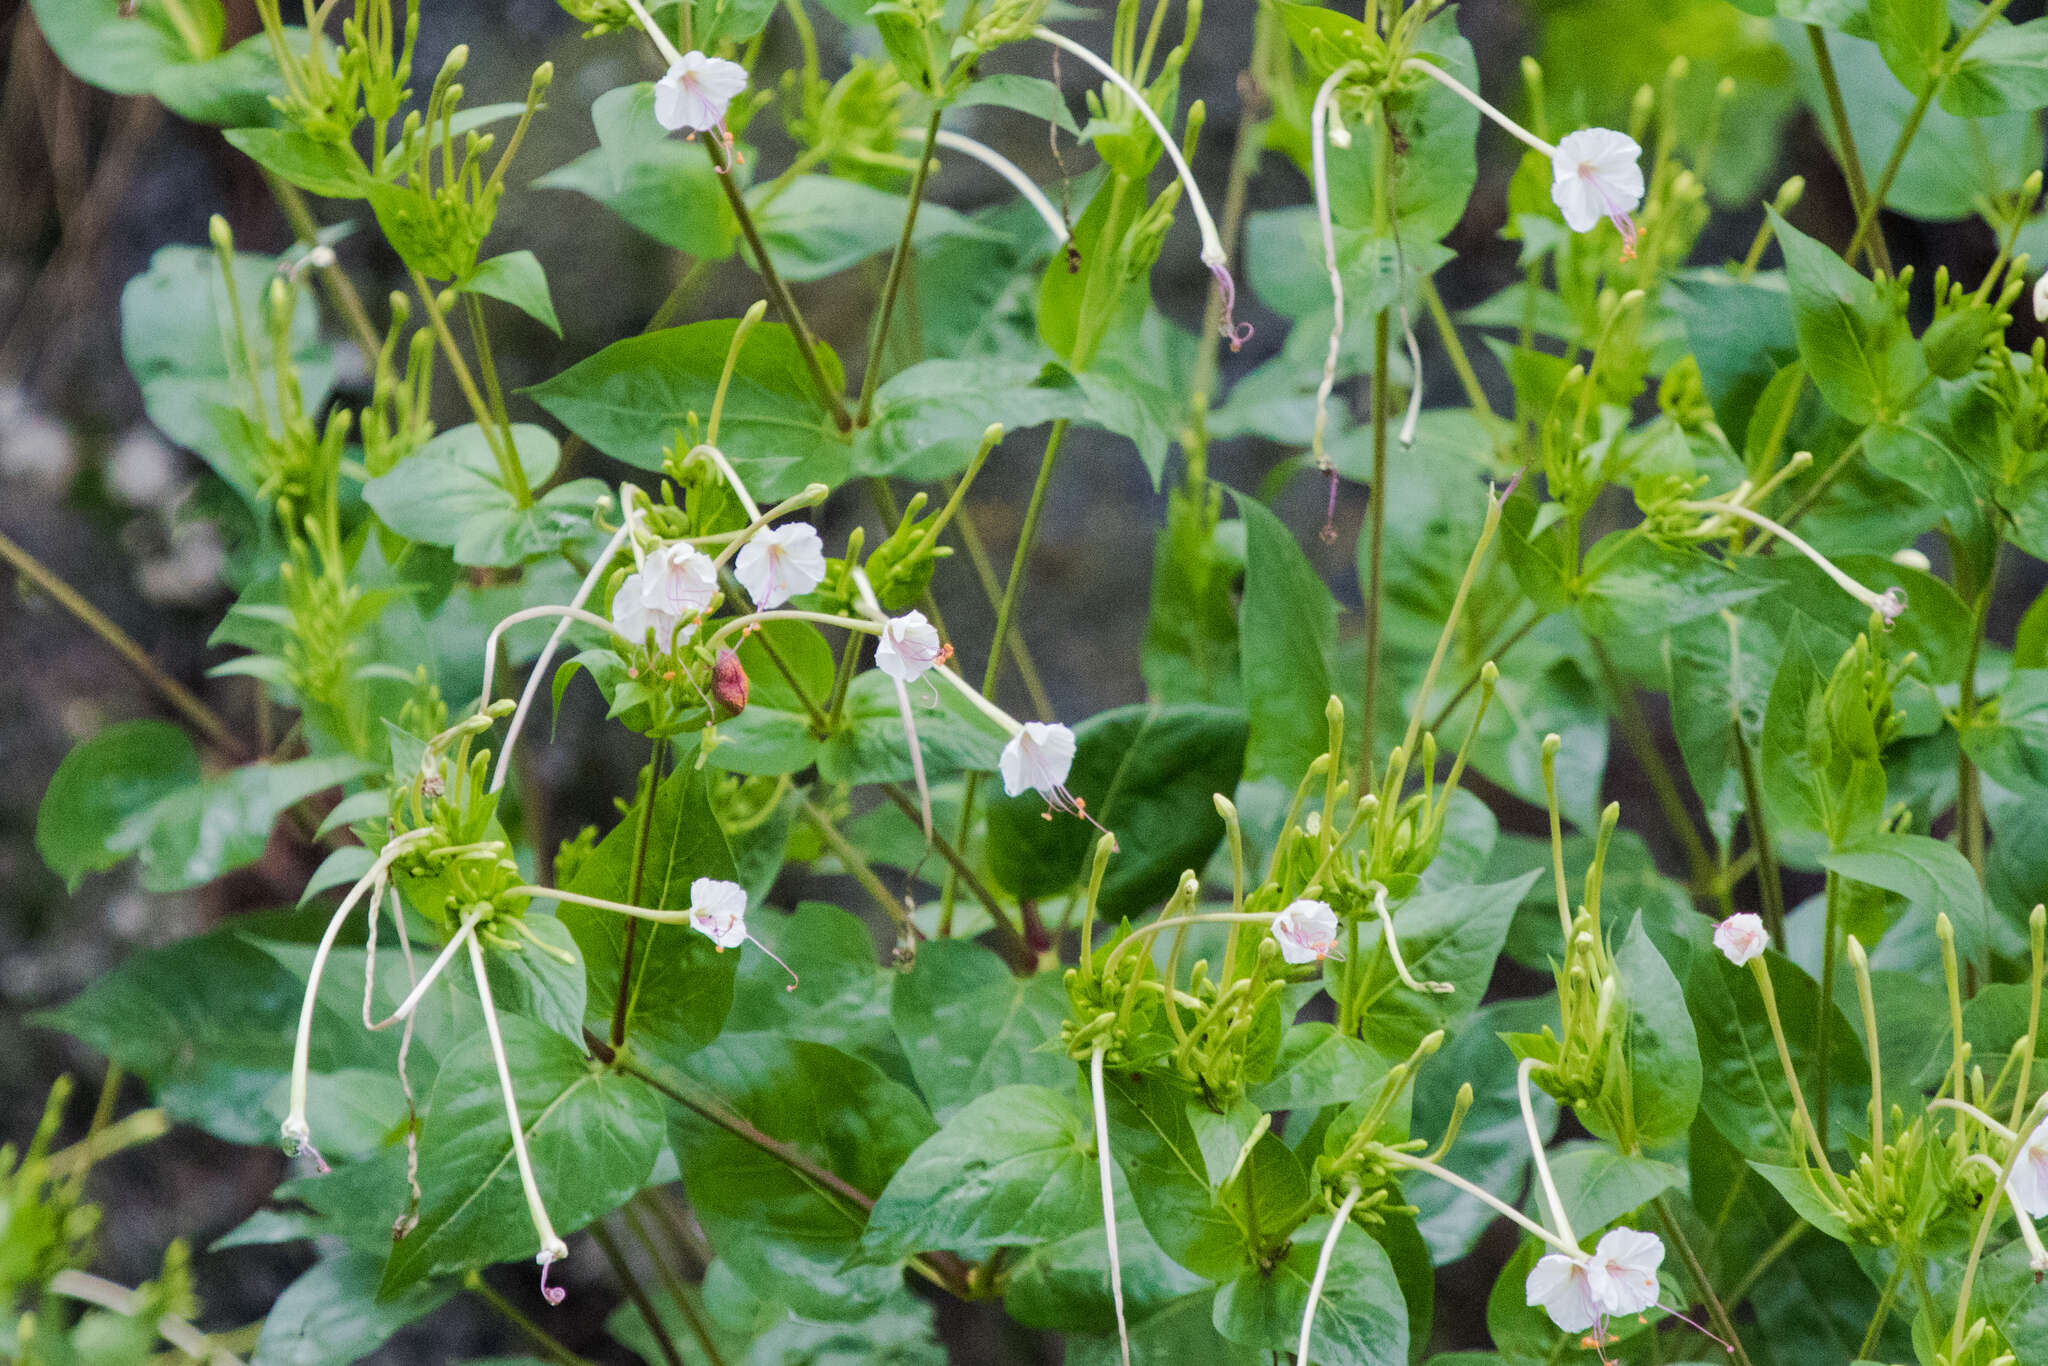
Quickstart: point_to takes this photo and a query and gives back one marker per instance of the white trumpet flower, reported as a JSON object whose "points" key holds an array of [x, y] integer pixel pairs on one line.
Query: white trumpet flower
{"points": [[780, 563]]}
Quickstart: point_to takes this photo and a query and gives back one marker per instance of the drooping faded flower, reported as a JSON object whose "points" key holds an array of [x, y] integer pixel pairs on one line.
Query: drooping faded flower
{"points": [[1595, 174], [780, 563], [696, 92], [1307, 932], [907, 647], [1741, 937]]}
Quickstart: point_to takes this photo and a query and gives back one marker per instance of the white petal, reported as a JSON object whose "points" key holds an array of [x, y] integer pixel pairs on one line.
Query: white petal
{"points": [[1624, 1271], [1741, 937], [1564, 1290], [1037, 757], [907, 647], [718, 910], [1579, 202], [720, 80]]}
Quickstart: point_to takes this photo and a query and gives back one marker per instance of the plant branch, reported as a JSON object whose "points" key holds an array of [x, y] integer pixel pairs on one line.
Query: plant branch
{"points": [[1845, 140], [501, 445], [1769, 882], [635, 883], [187, 704], [630, 1283], [1014, 947], [1635, 733], [863, 872], [678, 1290], [531, 1331], [341, 291], [1715, 1309], [871, 374]]}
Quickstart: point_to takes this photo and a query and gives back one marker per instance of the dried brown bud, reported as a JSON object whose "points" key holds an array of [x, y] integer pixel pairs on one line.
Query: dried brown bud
{"points": [[729, 683]]}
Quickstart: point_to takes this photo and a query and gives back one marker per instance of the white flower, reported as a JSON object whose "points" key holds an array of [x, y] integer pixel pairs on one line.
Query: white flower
{"points": [[1741, 937], [2028, 1183], [780, 563], [1038, 757], [718, 911], [1619, 1279], [696, 92], [1595, 175], [680, 579], [1307, 932], [1624, 1271], [1563, 1286], [634, 615], [907, 647], [2041, 300]]}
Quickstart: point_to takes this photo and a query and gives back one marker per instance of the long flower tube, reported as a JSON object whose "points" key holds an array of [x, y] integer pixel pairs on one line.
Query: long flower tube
{"points": [[297, 1133], [552, 1248], [1102, 1162], [1213, 254], [872, 605], [1315, 1285], [1888, 604], [1024, 185], [568, 614], [1536, 1153], [1318, 122], [547, 654]]}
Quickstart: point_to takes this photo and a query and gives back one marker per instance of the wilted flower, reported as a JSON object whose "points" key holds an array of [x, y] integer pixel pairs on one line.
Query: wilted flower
{"points": [[781, 563], [2028, 1182], [696, 92], [1038, 758], [1307, 932], [718, 911], [907, 647], [729, 682], [1741, 937], [1595, 174]]}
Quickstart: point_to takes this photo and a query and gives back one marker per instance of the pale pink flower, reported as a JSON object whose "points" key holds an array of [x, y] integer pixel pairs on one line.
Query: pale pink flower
{"points": [[718, 911], [1307, 932], [1741, 937], [1038, 758], [2028, 1182], [1595, 174], [907, 647], [780, 563], [696, 92]]}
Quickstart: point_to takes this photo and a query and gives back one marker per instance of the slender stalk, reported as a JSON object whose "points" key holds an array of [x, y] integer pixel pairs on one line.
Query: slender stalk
{"points": [[1716, 1311], [1447, 333], [500, 440], [486, 360], [1006, 613], [1014, 946], [1984, 1224], [341, 291], [1116, 1269], [630, 1283], [1315, 1285], [1845, 140], [196, 713], [1867, 219], [1375, 554], [1884, 1308], [1830, 951], [679, 1290], [1495, 655], [1770, 884], [1769, 1258], [119, 1299], [1635, 733], [863, 872], [531, 1331], [1396, 1158], [634, 885], [778, 291], [1969, 795], [985, 574], [871, 375]]}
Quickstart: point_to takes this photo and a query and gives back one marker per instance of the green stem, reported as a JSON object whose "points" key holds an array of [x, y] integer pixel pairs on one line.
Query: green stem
{"points": [[500, 442], [531, 1331], [1969, 797], [341, 291], [635, 883], [1884, 1308], [1006, 613], [1822, 1035], [1868, 217], [1495, 655], [630, 1283], [1845, 139], [1013, 945], [486, 362], [680, 1291], [1376, 534], [871, 375], [186, 703], [1447, 332], [1715, 1309], [778, 292], [1768, 1259], [1770, 887], [992, 589], [1635, 733], [856, 863]]}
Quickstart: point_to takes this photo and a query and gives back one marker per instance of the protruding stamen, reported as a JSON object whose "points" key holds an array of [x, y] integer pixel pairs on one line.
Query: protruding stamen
{"points": [[794, 980]]}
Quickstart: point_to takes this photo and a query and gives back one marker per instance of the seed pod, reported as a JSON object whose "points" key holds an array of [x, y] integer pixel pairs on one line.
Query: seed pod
{"points": [[729, 683]]}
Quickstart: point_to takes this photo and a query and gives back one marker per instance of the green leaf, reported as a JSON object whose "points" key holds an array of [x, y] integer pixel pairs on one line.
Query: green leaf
{"points": [[452, 493], [661, 185], [1796, 1185], [843, 999], [1933, 877], [1599, 1185], [1433, 172], [871, 747], [1288, 629], [2004, 72], [1153, 1142], [968, 1024], [1317, 1066], [593, 1135], [1029, 95], [816, 226], [1741, 334], [1361, 1319], [773, 735], [322, 168], [178, 338], [1015, 1168], [682, 986], [929, 419], [103, 786], [1854, 340], [1149, 775], [1910, 34], [1663, 1055], [1191, 634], [331, 1316], [1745, 1095], [1177, 1333], [1720, 678], [638, 396], [518, 279], [198, 832], [1064, 1286], [2012, 747], [1493, 1147], [146, 52], [783, 1236], [1446, 936]]}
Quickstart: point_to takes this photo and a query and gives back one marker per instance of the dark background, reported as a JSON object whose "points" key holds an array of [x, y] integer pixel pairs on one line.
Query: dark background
{"points": [[91, 185]]}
